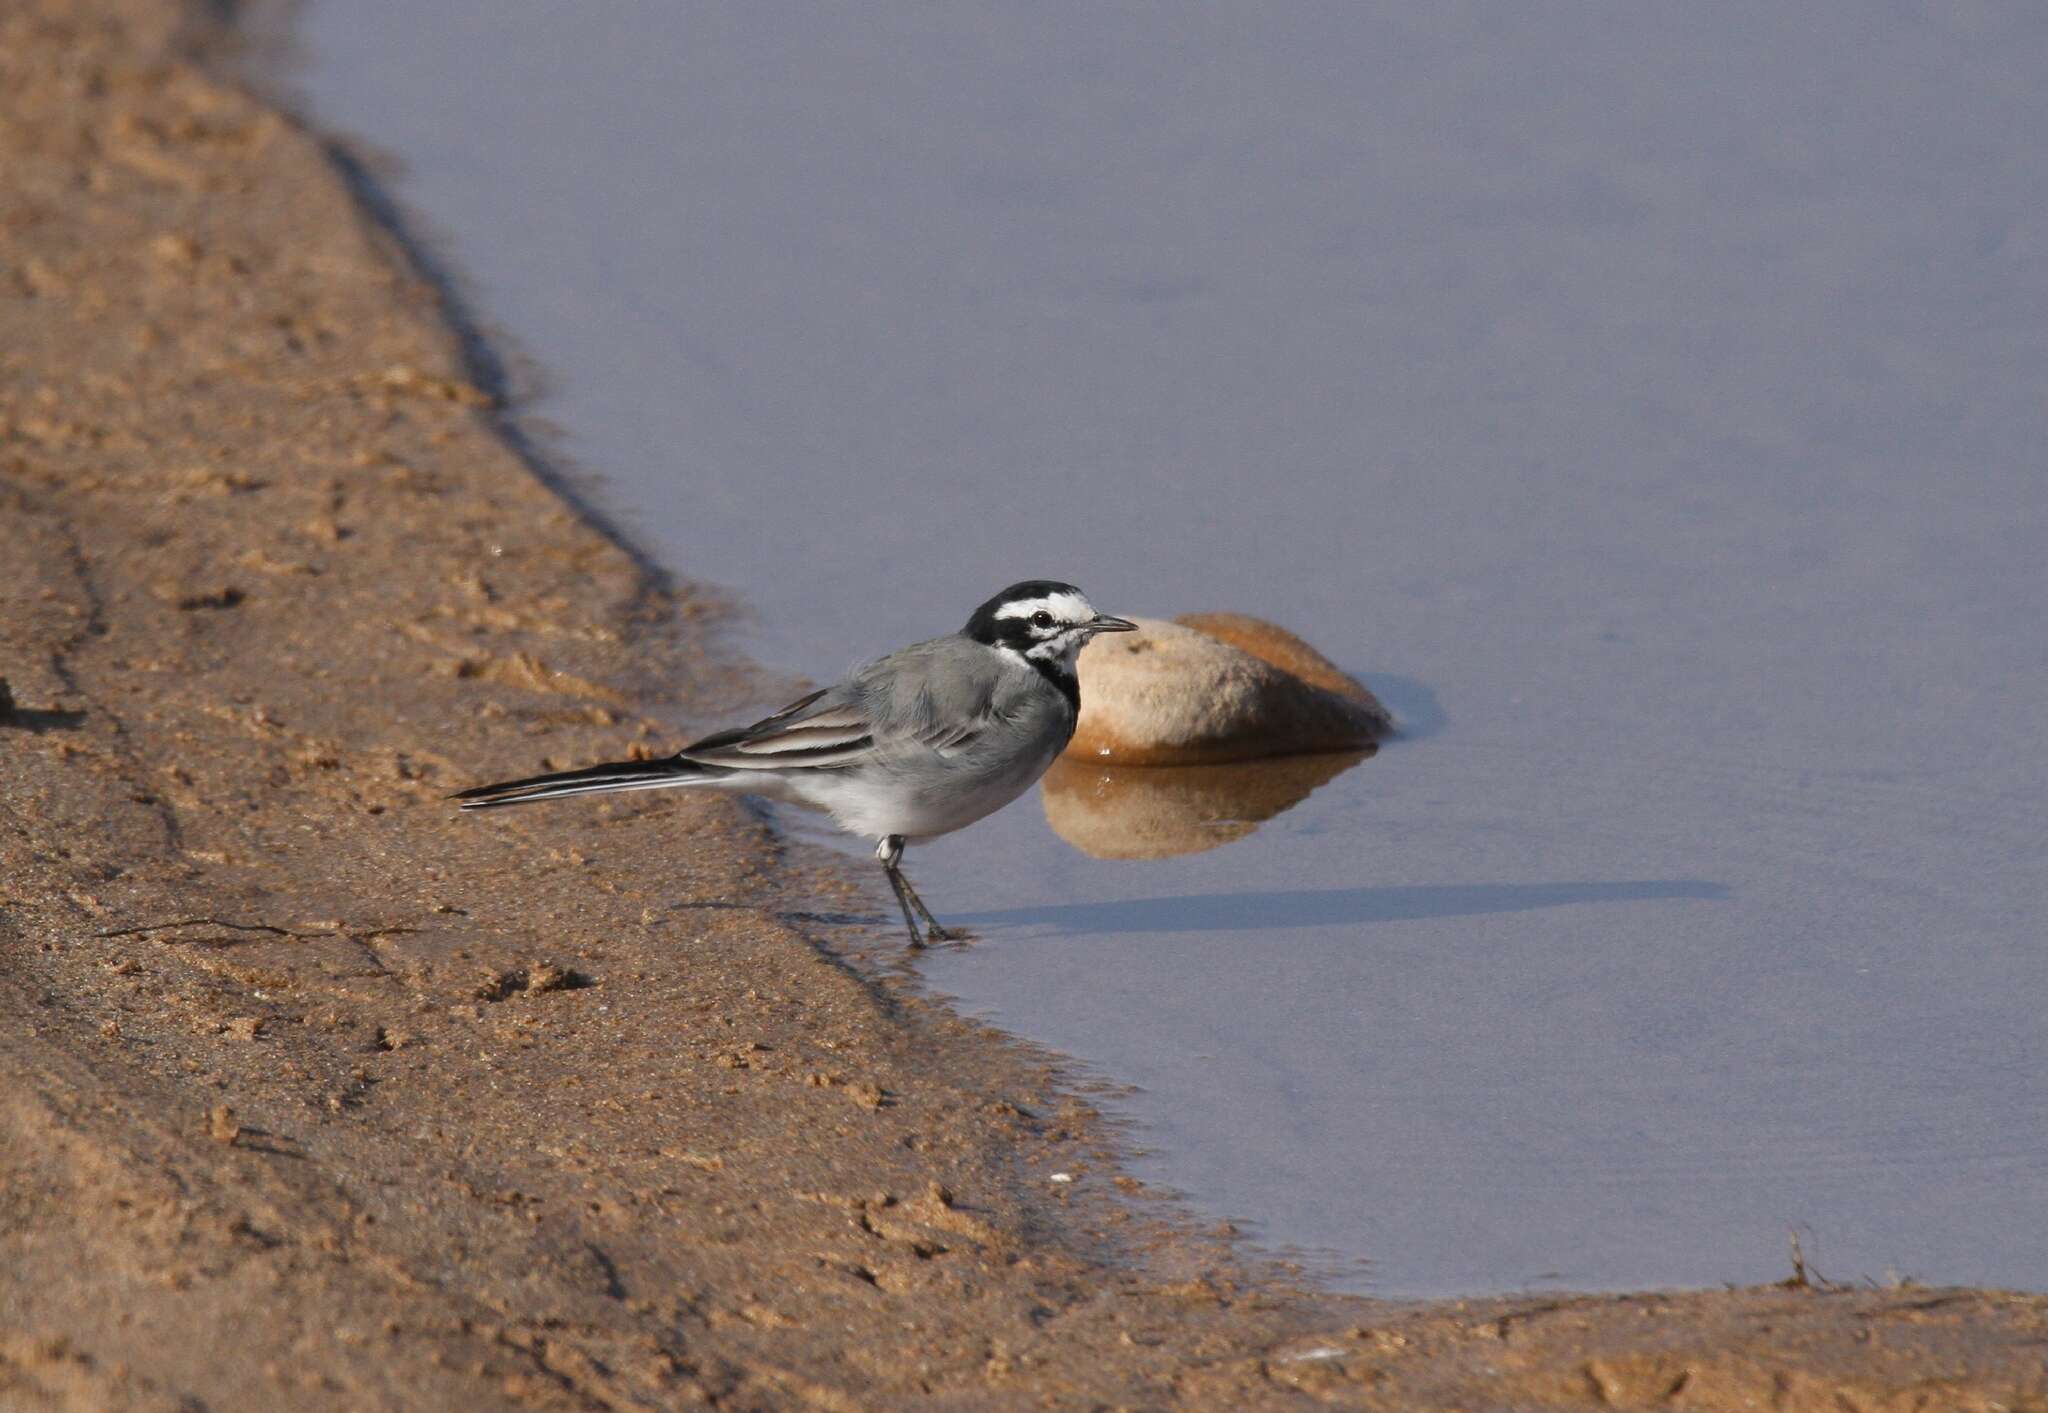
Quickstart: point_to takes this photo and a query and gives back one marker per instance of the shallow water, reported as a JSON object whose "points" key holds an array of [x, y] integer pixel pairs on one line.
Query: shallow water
{"points": [[1647, 400]]}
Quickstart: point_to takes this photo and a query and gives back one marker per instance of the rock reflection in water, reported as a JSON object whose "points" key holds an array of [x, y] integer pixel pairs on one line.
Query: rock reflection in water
{"points": [[1156, 812]]}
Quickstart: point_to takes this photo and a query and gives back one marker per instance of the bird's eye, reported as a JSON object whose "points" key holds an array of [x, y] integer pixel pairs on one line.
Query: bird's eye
{"points": [[1041, 619]]}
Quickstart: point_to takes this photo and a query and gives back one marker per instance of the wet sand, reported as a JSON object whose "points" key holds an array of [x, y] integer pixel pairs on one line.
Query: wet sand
{"points": [[319, 1095]]}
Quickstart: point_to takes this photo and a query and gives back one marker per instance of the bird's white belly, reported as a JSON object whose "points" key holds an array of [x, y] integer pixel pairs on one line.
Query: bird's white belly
{"points": [[874, 802]]}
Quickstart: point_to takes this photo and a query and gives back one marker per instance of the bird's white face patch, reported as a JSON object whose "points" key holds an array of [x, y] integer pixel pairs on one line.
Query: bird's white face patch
{"points": [[1064, 609], [1055, 624]]}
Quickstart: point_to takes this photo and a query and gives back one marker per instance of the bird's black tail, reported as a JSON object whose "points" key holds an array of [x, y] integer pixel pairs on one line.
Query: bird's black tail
{"points": [[591, 780]]}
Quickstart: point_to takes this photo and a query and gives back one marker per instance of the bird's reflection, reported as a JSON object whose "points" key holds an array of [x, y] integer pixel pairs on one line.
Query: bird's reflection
{"points": [[1155, 812]]}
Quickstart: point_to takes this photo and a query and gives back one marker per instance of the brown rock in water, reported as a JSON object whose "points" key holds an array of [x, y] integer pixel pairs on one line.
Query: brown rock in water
{"points": [[1217, 687], [1156, 812], [1286, 651]]}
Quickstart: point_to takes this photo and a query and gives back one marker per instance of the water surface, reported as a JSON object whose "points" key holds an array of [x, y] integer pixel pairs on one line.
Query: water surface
{"points": [[1648, 399]]}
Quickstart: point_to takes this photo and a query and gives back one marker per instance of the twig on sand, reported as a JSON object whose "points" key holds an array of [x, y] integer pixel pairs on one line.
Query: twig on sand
{"points": [[1803, 1277]]}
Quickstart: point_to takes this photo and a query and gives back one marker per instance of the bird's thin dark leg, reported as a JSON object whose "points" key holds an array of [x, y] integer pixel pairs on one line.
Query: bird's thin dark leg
{"points": [[896, 883], [938, 933], [890, 853]]}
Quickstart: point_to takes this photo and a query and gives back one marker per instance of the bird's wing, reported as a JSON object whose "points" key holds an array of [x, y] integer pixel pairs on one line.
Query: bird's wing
{"points": [[937, 695], [948, 739], [826, 728]]}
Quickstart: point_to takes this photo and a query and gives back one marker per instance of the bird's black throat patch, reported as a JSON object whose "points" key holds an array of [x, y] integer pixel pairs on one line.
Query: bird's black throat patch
{"points": [[1061, 676]]}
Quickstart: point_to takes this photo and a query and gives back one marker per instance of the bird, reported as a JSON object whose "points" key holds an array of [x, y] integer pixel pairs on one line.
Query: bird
{"points": [[909, 747]]}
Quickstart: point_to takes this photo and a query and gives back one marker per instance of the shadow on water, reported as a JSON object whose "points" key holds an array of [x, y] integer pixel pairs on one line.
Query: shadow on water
{"points": [[1333, 907], [1416, 708]]}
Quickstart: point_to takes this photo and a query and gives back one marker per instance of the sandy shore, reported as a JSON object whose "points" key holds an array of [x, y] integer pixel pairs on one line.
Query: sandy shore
{"points": [[318, 1095]]}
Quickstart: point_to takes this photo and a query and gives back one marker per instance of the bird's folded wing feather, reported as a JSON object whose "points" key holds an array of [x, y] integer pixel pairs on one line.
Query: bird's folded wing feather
{"points": [[936, 694], [822, 729], [948, 738]]}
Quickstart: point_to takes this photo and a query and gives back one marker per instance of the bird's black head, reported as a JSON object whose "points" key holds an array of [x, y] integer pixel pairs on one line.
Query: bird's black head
{"points": [[1045, 622]]}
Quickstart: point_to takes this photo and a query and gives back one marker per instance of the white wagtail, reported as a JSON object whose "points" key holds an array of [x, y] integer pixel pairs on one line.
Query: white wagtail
{"points": [[917, 744]]}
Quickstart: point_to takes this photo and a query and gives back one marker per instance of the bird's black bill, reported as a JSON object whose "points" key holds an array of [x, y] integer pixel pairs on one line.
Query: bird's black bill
{"points": [[1107, 623]]}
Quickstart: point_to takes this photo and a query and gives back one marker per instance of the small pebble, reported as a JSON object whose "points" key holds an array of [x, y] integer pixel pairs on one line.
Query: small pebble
{"points": [[221, 1126]]}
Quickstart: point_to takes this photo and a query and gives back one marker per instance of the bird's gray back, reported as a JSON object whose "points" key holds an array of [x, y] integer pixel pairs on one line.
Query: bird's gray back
{"points": [[964, 728], [945, 691]]}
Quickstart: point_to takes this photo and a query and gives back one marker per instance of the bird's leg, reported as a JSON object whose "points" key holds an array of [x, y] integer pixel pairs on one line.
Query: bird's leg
{"points": [[937, 933], [896, 883], [890, 853]]}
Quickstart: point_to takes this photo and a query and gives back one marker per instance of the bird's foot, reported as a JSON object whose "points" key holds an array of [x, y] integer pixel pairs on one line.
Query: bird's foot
{"points": [[936, 935]]}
